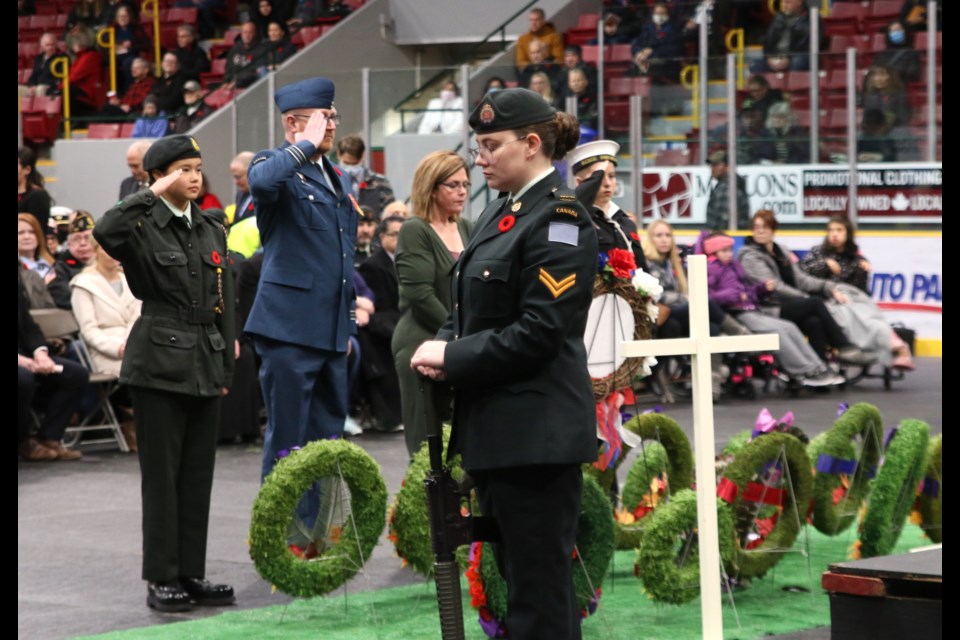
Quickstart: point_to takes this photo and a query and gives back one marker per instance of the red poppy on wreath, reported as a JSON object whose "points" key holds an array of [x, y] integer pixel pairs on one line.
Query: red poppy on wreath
{"points": [[634, 236], [507, 223], [215, 256], [621, 262]]}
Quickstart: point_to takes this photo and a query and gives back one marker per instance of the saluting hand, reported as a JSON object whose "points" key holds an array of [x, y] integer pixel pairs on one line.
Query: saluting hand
{"points": [[315, 131], [164, 183]]}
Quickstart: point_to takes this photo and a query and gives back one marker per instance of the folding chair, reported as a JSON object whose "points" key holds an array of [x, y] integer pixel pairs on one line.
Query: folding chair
{"points": [[60, 324]]}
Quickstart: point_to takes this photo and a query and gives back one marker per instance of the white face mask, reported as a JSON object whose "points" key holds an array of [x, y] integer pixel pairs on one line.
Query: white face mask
{"points": [[659, 19], [447, 95], [355, 171]]}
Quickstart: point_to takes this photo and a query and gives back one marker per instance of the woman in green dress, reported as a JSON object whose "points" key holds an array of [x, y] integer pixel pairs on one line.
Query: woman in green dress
{"points": [[428, 245]]}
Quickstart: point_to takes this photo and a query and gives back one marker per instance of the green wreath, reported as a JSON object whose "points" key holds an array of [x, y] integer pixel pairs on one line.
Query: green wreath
{"points": [[409, 524], [746, 465], [273, 513], [663, 579], [651, 460], [836, 444], [931, 498], [595, 546], [894, 488], [666, 431]]}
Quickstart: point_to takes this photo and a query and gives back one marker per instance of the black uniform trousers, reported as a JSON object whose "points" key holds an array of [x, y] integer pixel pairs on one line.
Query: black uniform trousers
{"points": [[177, 442], [536, 508]]}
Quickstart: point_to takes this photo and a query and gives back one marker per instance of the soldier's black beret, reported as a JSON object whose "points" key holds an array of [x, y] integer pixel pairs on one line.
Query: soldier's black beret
{"points": [[170, 149], [510, 109]]}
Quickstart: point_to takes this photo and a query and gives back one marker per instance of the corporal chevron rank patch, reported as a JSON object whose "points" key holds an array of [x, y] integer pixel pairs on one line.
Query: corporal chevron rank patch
{"points": [[554, 286]]}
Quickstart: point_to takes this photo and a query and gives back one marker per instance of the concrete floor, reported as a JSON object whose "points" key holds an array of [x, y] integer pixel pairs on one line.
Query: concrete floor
{"points": [[78, 524]]}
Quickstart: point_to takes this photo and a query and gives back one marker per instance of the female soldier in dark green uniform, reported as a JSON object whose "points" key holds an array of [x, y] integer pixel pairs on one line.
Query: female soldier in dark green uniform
{"points": [[178, 362], [514, 352]]}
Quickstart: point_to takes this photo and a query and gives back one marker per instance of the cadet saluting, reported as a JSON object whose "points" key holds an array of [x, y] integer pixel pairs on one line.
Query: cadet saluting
{"points": [[178, 362], [513, 350]]}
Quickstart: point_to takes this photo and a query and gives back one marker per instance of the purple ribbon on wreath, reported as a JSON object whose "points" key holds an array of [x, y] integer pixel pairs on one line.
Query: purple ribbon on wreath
{"points": [[931, 487], [493, 627], [656, 409], [842, 408], [283, 453], [831, 464]]}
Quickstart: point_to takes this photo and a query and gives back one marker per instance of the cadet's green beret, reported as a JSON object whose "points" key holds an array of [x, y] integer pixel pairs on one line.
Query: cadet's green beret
{"points": [[83, 221], [170, 149], [510, 109]]}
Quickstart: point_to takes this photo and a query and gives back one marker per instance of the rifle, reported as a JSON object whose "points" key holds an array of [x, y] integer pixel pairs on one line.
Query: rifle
{"points": [[449, 528]]}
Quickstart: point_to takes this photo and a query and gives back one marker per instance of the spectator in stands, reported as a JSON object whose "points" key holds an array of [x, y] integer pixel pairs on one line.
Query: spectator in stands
{"points": [[913, 15], [152, 122], [84, 14], [131, 42], [26, 8], [381, 388], [193, 59], [31, 248], [657, 50], [58, 382], [899, 54], [138, 178], [753, 137], [309, 11], [494, 83], [540, 83], [786, 46], [110, 8], [445, 113], [106, 310], [883, 91], [578, 87], [796, 296], [537, 54], [622, 24], [543, 31], [718, 206], [32, 198], [140, 86], [573, 59], [242, 206], [761, 95], [367, 240], [193, 110], [717, 16], [371, 189], [276, 49], [86, 90], [874, 143], [243, 59], [169, 87], [207, 199], [428, 246], [262, 17], [79, 254], [789, 144], [41, 78]]}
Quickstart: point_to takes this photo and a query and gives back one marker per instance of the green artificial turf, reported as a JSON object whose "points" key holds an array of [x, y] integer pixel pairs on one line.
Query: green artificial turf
{"points": [[765, 607]]}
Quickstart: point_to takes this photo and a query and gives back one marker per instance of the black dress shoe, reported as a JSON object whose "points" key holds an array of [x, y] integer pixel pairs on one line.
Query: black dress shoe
{"points": [[204, 593], [168, 596]]}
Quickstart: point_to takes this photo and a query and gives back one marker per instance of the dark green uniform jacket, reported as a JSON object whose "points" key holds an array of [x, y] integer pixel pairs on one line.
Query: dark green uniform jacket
{"points": [[516, 356], [183, 341]]}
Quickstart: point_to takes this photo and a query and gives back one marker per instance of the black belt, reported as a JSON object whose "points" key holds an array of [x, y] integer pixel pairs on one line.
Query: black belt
{"points": [[190, 315]]}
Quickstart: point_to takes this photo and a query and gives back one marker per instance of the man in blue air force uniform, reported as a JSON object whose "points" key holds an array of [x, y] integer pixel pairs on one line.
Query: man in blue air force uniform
{"points": [[302, 317]]}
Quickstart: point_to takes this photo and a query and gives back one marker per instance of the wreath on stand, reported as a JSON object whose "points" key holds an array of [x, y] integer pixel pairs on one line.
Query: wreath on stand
{"points": [[348, 547], [592, 555], [841, 479], [408, 521], [931, 492], [668, 554], [894, 489], [768, 516]]}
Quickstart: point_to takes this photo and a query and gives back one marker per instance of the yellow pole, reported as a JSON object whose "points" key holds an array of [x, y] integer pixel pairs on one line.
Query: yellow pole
{"points": [[111, 46], [734, 42], [153, 7], [690, 79], [772, 5], [60, 68]]}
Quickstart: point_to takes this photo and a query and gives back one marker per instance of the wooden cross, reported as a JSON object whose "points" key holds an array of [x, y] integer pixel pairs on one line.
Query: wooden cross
{"points": [[700, 346]]}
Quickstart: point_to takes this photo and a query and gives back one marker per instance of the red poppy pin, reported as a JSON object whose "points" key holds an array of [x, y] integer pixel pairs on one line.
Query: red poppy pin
{"points": [[215, 256], [250, 207], [337, 170], [634, 236], [507, 223]]}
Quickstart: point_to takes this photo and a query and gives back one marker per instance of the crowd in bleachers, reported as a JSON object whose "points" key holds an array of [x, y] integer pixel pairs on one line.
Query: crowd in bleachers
{"points": [[148, 97]]}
